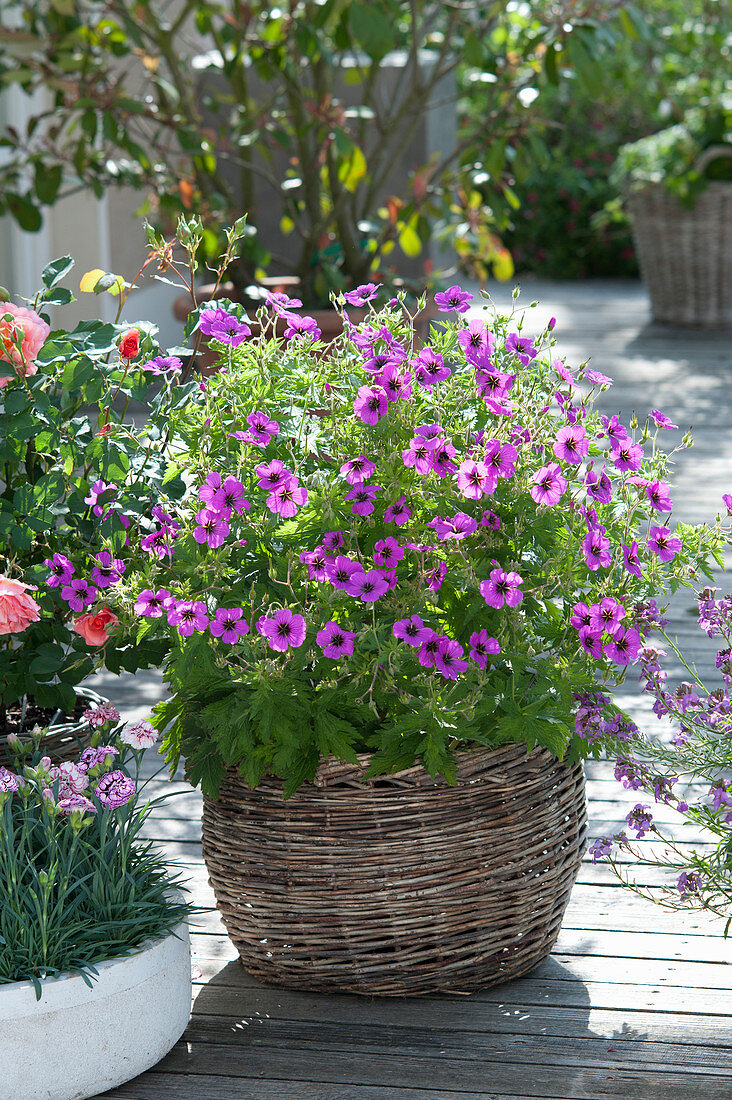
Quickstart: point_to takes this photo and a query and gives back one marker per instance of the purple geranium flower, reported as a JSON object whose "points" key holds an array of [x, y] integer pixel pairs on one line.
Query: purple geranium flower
{"points": [[299, 325], [397, 512], [271, 474], [396, 382], [115, 789], [631, 560], [335, 641], [657, 493], [357, 470], [623, 646], [598, 379], [662, 544], [62, 570], [316, 561], [502, 588], [481, 647], [163, 364], [428, 649], [454, 298], [287, 498], [229, 498], [572, 444], [596, 549], [475, 478], [79, 594], [548, 484], [370, 404], [436, 576], [429, 368], [494, 384], [362, 294], [727, 499], [459, 527], [662, 421], [412, 631], [449, 658], [188, 616], [522, 347], [97, 490], [419, 454], [367, 586], [599, 485], [477, 342], [607, 615], [591, 641], [332, 540], [363, 497], [108, 570], [229, 624], [262, 427], [387, 552], [280, 302], [152, 604], [212, 528], [210, 488], [340, 571], [283, 629]]}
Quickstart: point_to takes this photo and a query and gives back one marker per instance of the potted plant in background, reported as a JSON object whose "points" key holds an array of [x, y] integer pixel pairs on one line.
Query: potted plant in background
{"points": [[94, 947], [64, 400], [678, 184], [390, 580], [335, 128]]}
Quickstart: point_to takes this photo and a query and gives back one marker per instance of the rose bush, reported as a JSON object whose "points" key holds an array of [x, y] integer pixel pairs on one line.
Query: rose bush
{"points": [[390, 548]]}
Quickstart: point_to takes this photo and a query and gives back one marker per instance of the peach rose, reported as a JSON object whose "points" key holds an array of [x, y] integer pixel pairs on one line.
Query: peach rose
{"points": [[93, 626], [17, 609], [35, 332]]}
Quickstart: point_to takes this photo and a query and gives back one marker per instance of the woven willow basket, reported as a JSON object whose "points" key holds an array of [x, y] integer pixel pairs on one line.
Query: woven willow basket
{"points": [[64, 740], [401, 884], [685, 256]]}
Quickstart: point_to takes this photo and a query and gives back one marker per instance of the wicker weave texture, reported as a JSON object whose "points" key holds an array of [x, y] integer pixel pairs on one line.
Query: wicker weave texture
{"points": [[399, 885], [64, 740], [685, 255]]}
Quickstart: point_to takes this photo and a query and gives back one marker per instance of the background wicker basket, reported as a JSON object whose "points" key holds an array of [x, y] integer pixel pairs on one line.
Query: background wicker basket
{"points": [[64, 740], [685, 256], [401, 884]]}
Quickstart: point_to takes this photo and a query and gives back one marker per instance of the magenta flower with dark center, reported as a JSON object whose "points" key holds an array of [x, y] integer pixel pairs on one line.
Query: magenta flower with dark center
{"points": [[657, 493], [727, 499], [429, 368], [164, 519], [283, 629], [607, 615], [100, 490], [454, 298], [502, 589], [363, 497], [333, 540], [387, 552], [475, 339], [262, 426], [548, 485], [378, 361], [300, 326], [449, 658], [287, 498], [79, 594], [229, 330], [662, 421], [370, 404], [108, 570], [591, 641], [163, 364], [501, 458], [358, 470], [490, 520], [428, 650], [599, 486], [442, 457], [522, 347], [212, 528], [563, 372], [597, 378], [662, 543], [482, 647], [475, 478], [623, 647], [396, 382], [151, 604], [340, 571], [631, 559], [627, 455], [335, 641], [229, 624], [397, 512], [271, 474], [281, 302], [367, 586], [459, 527], [419, 454], [316, 561], [412, 631], [230, 498], [581, 615], [616, 432], [596, 547], [62, 570], [494, 383], [364, 293], [210, 488], [159, 542], [572, 444], [188, 616]]}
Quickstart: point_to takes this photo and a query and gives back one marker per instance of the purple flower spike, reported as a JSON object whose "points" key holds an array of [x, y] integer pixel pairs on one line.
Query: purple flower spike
{"points": [[454, 298], [335, 641], [229, 624]]}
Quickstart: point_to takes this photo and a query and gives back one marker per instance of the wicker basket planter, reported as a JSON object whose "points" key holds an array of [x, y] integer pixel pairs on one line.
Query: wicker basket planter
{"points": [[402, 884], [64, 740], [685, 256]]}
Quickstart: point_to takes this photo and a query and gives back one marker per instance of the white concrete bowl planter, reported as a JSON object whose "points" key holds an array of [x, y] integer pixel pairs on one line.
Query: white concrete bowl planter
{"points": [[79, 1041]]}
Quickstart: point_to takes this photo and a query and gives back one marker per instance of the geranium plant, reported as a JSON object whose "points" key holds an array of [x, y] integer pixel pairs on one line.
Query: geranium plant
{"points": [[78, 883], [691, 771], [391, 548]]}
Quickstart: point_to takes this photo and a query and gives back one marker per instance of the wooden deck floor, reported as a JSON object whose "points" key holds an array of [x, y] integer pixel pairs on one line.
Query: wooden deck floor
{"points": [[635, 1002]]}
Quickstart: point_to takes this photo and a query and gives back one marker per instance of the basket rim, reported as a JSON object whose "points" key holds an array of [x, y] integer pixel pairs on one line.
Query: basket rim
{"points": [[86, 694]]}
